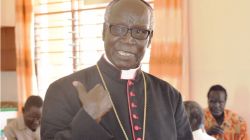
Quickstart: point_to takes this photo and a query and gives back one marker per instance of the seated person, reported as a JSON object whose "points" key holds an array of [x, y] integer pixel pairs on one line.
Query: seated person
{"points": [[27, 125], [196, 120], [222, 123]]}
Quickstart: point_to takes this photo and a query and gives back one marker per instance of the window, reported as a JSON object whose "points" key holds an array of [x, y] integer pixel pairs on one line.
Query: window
{"points": [[68, 37]]}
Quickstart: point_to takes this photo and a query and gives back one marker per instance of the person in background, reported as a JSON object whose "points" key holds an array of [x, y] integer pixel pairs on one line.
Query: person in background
{"points": [[196, 120], [222, 123], [115, 99], [27, 125]]}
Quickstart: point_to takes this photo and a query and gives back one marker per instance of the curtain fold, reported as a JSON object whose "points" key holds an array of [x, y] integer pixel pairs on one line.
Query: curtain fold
{"points": [[169, 56], [24, 49]]}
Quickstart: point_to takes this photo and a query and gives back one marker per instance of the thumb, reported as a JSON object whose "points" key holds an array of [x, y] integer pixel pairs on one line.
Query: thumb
{"points": [[81, 90]]}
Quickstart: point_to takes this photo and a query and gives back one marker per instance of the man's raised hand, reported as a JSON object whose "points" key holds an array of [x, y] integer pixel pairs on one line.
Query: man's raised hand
{"points": [[96, 101]]}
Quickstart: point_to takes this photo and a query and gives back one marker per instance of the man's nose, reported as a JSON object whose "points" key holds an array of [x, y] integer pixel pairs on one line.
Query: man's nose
{"points": [[217, 104], [37, 122]]}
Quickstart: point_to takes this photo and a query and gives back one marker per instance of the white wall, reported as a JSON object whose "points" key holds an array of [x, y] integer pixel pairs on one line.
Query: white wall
{"points": [[7, 13], [8, 83], [9, 86], [220, 51]]}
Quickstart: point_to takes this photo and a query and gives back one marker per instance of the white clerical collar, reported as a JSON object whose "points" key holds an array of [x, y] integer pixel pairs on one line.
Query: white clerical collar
{"points": [[125, 74]]}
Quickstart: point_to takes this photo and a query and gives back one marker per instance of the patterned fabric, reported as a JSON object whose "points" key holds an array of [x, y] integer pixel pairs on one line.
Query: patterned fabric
{"points": [[235, 128]]}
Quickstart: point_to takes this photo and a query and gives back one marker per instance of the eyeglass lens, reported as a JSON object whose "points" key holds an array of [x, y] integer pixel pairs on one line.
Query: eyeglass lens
{"points": [[137, 33]]}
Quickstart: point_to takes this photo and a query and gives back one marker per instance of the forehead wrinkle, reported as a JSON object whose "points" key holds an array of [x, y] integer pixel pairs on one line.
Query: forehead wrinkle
{"points": [[130, 20]]}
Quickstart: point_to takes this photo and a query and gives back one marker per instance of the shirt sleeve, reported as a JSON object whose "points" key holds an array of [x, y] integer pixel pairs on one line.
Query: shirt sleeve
{"points": [[64, 119], [243, 130]]}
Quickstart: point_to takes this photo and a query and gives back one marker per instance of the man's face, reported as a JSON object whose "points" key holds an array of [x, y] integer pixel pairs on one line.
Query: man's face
{"points": [[125, 51], [32, 117], [216, 102]]}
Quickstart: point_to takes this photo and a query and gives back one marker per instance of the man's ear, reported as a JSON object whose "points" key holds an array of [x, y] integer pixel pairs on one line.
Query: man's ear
{"points": [[103, 31], [150, 37], [23, 110]]}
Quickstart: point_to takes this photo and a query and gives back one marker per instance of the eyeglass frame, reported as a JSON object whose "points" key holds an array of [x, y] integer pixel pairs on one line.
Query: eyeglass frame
{"points": [[149, 31]]}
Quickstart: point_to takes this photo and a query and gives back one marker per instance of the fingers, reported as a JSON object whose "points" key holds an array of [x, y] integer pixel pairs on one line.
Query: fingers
{"points": [[81, 90], [107, 102], [100, 94], [215, 130], [96, 101], [98, 89], [219, 130], [97, 93]]}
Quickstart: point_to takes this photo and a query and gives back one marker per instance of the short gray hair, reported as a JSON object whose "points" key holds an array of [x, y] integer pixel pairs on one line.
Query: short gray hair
{"points": [[194, 112], [113, 2]]}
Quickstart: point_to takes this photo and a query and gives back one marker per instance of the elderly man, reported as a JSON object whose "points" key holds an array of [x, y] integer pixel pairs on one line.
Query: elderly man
{"points": [[222, 123], [115, 99], [196, 119], [26, 126]]}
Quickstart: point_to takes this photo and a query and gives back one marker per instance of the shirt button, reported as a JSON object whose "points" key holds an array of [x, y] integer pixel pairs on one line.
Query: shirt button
{"points": [[130, 83], [131, 94], [136, 127], [133, 105], [135, 116]]}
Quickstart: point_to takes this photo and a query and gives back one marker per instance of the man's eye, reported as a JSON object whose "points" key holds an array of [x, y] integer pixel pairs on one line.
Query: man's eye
{"points": [[213, 102], [120, 29], [141, 31]]}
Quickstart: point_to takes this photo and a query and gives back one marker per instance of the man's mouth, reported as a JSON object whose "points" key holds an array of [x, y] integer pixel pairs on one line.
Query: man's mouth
{"points": [[123, 53], [216, 111]]}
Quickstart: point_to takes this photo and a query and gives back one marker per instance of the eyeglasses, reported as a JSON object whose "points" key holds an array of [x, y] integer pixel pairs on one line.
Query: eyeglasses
{"points": [[121, 30]]}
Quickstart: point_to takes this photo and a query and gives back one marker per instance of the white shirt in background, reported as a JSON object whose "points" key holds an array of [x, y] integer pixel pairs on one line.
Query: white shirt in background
{"points": [[17, 130], [201, 135]]}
